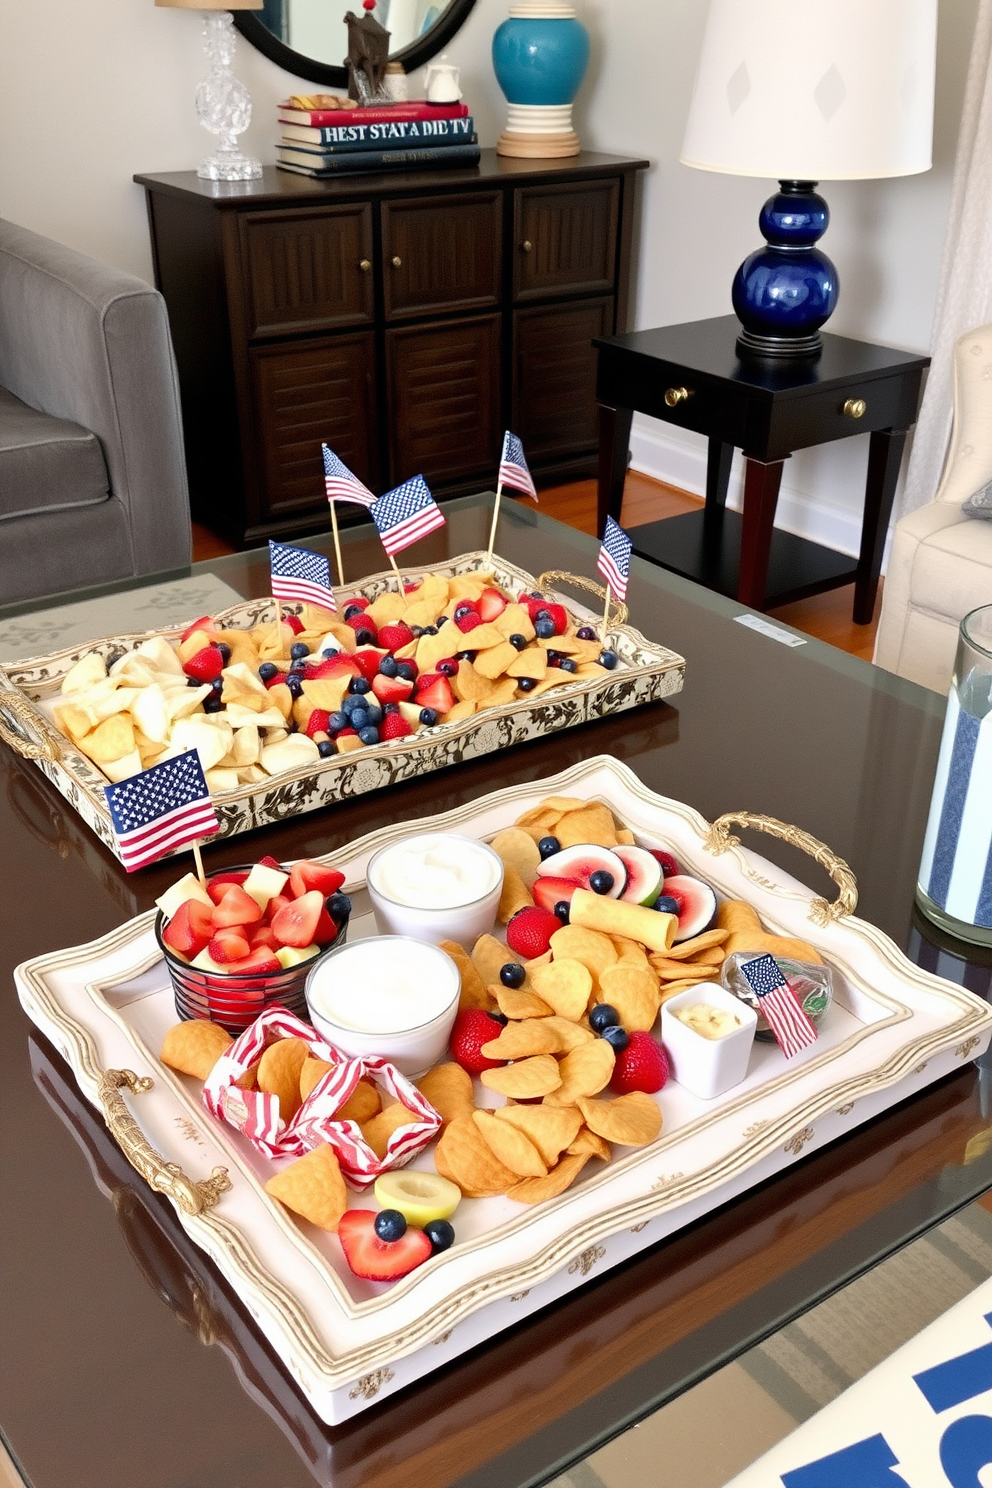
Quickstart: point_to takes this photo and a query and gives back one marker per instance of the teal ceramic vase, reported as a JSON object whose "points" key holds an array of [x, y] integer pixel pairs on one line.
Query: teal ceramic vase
{"points": [[540, 56]]}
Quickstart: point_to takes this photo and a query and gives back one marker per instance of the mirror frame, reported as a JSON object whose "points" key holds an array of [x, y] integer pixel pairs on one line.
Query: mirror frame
{"points": [[314, 71]]}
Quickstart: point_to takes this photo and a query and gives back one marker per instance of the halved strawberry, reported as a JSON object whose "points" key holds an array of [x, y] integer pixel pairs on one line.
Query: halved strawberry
{"points": [[433, 692], [559, 616], [205, 622], [236, 908], [367, 659], [468, 622], [466, 604], [190, 929], [219, 883], [296, 922], [295, 623], [395, 636], [394, 726], [317, 722], [333, 666], [261, 935], [326, 932], [550, 891], [391, 689], [363, 622], [275, 904], [259, 960], [375, 1259], [359, 602], [205, 665], [306, 875], [228, 945], [491, 604], [269, 862]]}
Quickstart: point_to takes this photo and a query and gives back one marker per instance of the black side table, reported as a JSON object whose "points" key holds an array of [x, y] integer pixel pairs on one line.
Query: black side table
{"points": [[692, 376]]}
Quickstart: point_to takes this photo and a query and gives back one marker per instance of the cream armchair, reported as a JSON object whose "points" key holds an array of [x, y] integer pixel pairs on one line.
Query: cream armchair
{"points": [[941, 561]]}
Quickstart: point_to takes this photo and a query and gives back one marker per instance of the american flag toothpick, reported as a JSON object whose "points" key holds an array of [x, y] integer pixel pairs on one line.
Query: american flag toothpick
{"points": [[787, 1019], [614, 564], [403, 516], [341, 485], [299, 575], [162, 808], [515, 473]]}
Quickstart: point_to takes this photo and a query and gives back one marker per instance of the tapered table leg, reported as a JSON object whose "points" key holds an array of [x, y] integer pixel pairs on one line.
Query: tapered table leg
{"points": [[884, 459], [761, 483], [614, 441]]}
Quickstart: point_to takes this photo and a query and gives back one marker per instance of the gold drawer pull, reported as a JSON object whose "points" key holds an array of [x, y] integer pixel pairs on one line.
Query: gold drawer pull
{"points": [[527, 245], [167, 1178], [675, 396], [365, 266], [397, 262], [719, 839], [855, 408]]}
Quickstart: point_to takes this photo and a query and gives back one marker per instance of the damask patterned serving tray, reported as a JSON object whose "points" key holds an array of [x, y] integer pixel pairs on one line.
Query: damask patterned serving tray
{"points": [[892, 1030], [644, 673]]}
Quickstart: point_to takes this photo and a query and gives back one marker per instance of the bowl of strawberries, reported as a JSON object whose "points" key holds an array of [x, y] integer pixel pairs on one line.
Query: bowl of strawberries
{"points": [[247, 938]]}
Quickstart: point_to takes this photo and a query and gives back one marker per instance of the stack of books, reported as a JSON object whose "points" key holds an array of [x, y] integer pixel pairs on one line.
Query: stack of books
{"points": [[399, 136]]}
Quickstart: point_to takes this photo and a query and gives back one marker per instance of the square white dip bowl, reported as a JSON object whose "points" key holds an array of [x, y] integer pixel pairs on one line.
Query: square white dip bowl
{"points": [[707, 1067]]}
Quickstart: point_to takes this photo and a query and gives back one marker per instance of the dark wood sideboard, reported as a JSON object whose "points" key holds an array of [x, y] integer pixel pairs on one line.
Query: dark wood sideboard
{"points": [[405, 318]]}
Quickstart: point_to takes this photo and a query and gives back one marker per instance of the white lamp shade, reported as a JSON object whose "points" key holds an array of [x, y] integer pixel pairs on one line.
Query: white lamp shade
{"points": [[814, 90]]}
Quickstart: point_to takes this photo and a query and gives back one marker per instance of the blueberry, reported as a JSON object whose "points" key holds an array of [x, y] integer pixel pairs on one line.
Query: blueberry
{"points": [[338, 907], [608, 659], [298, 649], [373, 710], [526, 684], [519, 642], [567, 664], [360, 718], [267, 671], [543, 615], [387, 666], [193, 682], [390, 1225], [350, 610], [512, 974], [544, 629], [448, 667], [499, 1018], [297, 668], [295, 685], [337, 721], [548, 846], [616, 1038], [428, 717], [601, 882], [667, 904], [554, 659], [429, 630], [364, 638], [406, 670], [369, 734], [225, 651], [417, 631], [440, 1233], [328, 652], [326, 748], [218, 685], [462, 611], [359, 684], [585, 633], [390, 707], [562, 910], [441, 620], [465, 656], [603, 1016], [212, 704]]}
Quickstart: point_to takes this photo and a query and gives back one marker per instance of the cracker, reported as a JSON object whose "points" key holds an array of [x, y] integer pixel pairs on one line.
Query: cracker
{"points": [[469, 686], [570, 1034], [515, 895], [565, 986], [521, 1040], [313, 1187], [631, 1120], [511, 1146], [474, 993], [531, 664], [312, 1071], [536, 1190], [593, 823], [594, 950], [363, 1103], [518, 1002], [550, 1128], [494, 662], [488, 955], [448, 1088], [279, 1074], [519, 851], [633, 991], [527, 1078], [194, 1047], [709, 940], [464, 1157], [378, 1130], [587, 1141], [515, 620], [584, 1072]]}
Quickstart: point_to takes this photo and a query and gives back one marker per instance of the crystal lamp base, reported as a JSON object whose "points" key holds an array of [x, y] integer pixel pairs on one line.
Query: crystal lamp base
{"points": [[229, 165]]}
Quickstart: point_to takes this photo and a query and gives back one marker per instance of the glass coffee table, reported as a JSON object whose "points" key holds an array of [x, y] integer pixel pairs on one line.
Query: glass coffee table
{"points": [[125, 1358]]}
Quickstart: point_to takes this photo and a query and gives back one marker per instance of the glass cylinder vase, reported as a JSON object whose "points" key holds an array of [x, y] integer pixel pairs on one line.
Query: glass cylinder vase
{"points": [[955, 884]]}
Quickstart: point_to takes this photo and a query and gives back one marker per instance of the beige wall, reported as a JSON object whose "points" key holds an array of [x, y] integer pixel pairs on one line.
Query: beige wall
{"points": [[92, 92]]}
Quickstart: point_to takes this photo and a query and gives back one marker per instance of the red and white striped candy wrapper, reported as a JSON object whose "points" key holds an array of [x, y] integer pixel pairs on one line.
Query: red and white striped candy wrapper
{"points": [[257, 1115]]}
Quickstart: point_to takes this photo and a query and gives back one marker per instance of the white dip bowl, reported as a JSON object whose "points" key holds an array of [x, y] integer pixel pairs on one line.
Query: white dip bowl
{"points": [[707, 1066], [436, 886]]}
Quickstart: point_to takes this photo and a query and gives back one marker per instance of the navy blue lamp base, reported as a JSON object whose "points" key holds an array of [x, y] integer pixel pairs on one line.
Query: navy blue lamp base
{"points": [[785, 291]]}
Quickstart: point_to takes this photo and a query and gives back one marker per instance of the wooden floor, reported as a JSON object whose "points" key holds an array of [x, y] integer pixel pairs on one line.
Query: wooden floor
{"points": [[825, 616]]}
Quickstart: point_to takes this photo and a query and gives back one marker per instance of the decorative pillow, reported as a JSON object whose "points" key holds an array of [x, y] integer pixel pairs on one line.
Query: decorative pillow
{"points": [[979, 505]]}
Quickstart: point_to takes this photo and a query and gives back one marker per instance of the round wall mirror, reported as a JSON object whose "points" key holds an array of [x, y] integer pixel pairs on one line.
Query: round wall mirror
{"points": [[309, 38]]}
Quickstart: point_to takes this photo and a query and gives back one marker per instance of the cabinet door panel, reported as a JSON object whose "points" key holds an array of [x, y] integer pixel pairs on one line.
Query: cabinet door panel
{"points": [[304, 269], [439, 253], [444, 400], [554, 376], [565, 239], [303, 395]]}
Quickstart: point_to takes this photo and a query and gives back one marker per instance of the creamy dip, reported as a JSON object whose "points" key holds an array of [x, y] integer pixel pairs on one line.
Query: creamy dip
{"points": [[435, 871], [708, 1021], [384, 985]]}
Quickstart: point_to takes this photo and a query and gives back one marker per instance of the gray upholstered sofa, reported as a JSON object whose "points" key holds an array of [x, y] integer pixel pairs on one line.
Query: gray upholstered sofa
{"points": [[92, 478]]}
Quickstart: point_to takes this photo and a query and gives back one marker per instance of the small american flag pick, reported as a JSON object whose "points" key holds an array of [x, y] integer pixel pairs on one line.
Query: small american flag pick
{"points": [[786, 1018], [160, 809], [406, 514], [340, 484], [299, 574], [513, 469], [614, 558]]}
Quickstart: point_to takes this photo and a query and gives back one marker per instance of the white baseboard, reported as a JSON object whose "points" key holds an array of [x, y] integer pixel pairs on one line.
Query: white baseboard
{"points": [[679, 459]]}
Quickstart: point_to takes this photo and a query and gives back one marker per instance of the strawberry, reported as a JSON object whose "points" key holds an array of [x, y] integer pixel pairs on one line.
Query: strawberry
{"points": [[391, 689], [367, 659], [259, 961], [228, 945], [669, 866], [261, 935], [466, 604], [333, 666], [236, 908], [395, 636], [559, 616], [530, 930], [472, 1028], [380, 1260], [347, 733], [190, 929], [205, 622], [359, 602], [468, 622], [317, 723], [269, 862], [296, 923], [205, 665], [433, 692], [394, 726], [491, 604], [276, 903], [642, 1065], [295, 624], [550, 891], [218, 885], [306, 875], [363, 622], [274, 681]]}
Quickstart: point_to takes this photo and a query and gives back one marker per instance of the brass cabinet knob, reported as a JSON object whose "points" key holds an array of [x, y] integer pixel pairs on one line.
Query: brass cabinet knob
{"points": [[397, 262], [855, 408], [675, 396], [527, 245], [365, 266]]}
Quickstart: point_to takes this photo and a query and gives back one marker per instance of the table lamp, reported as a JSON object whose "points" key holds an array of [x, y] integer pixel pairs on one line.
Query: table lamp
{"points": [[806, 92], [223, 103]]}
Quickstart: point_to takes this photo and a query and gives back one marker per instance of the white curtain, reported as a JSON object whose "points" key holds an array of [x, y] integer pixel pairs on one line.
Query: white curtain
{"points": [[964, 295]]}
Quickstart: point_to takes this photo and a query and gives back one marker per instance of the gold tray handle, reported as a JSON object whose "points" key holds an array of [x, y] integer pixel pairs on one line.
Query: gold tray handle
{"points": [[167, 1178], [554, 576], [821, 912], [41, 746]]}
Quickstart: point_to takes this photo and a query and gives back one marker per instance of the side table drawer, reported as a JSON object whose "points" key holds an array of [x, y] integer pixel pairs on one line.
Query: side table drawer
{"points": [[441, 254], [565, 239], [818, 418], [308, 270], [664, 390]]}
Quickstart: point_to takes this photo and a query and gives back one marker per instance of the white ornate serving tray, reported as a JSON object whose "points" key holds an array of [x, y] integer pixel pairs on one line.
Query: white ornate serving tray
{"points": [[645, 673], [892, 1030]]}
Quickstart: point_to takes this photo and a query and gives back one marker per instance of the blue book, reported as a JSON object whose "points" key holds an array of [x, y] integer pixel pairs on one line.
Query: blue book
{"points": [[376, 160], [407, 134]]}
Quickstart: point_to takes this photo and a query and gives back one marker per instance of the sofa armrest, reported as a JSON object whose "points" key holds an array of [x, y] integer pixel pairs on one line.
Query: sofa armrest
{"points": [[84, 341]]}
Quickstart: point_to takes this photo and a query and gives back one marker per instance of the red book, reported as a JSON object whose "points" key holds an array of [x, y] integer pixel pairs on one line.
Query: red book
{"points": [[397, 113]]}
